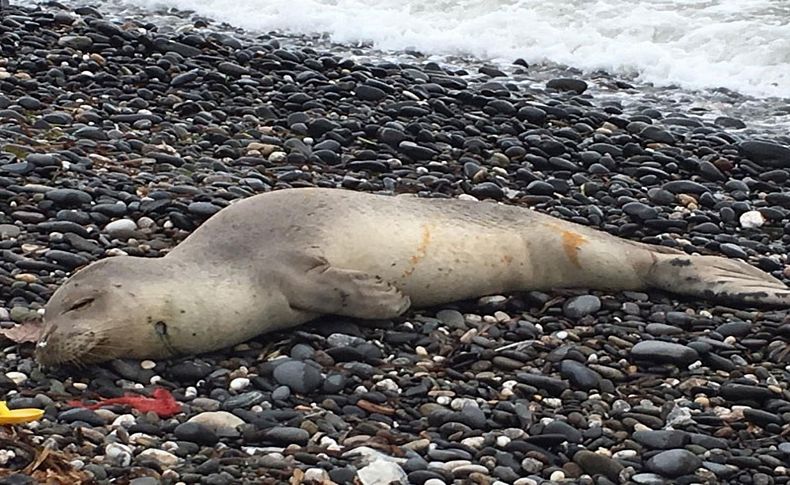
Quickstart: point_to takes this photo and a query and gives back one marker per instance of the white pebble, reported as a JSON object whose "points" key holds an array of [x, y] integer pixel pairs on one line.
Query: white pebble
{"points": [[145, 222], [190, 392], [752, 219], [502, 441], [316, 475], [124, 420], [164, 458], [525, 481], [557, 476], [142, 439], [277, 157], [80, 386], [552, 402], [121, 228], [171, 476], [380, 472], [624, 454], [147, 364], [459, 403], [473, 318], [118, 454], [221, 422], [474, 442], [239, 383], [443, 400], [387, 385], [17, 377], [501, 316], [6, 456], [330, 444]]}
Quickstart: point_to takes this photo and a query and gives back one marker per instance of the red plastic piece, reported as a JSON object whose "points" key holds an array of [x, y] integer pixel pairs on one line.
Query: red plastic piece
{"points": [[162, 403]]}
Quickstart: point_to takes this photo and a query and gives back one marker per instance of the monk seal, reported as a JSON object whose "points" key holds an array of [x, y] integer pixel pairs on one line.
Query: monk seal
{"points": [[279, 259]]}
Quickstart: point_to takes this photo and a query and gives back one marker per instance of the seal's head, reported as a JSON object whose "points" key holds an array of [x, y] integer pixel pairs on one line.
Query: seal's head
{"points": [[110, 309]]}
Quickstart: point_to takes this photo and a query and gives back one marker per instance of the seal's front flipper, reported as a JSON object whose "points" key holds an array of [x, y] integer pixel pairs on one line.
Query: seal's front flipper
{"points": [[327, 290], [717, 278]]}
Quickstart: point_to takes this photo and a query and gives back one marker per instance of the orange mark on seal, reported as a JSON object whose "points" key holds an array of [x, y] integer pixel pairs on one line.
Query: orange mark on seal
{"points": [[571, 243], [422, 251], [507, 259]]}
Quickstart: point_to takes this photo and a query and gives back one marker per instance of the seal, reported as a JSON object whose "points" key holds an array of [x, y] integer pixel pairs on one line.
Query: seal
{"points": [[279, 259]]}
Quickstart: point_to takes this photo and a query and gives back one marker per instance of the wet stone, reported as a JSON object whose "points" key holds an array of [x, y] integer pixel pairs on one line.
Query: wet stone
{"points": [[674, 463], [566, 84], [286, 435], [68, 197], [298, 376], [580, 306], [595, 464], [195, 433], [663, 352], [661, 439], [579, 375]]}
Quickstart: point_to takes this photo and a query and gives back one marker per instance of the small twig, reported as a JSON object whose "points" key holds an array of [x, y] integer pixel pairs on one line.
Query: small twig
{"points": [[515, 345]]}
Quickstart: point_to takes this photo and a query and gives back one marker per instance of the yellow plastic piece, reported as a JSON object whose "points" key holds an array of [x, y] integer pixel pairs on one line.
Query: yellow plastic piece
{"points": [[18, 416]]}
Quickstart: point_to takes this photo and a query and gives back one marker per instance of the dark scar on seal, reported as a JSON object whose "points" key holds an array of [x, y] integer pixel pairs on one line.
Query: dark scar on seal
{"points": [[680, 262], [161, 331]]}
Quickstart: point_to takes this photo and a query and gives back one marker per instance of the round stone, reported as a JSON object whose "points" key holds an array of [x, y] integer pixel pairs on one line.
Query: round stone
{"points": [[298, 376], [674, 463], [580, 306]]}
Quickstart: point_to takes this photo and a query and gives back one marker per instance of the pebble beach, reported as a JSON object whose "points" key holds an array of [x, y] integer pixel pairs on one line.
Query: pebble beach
{"points": [[121, 131]]}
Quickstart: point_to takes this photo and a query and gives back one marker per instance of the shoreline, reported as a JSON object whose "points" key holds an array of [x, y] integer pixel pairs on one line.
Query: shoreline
{"points": [[763, 116], [122, 140]]}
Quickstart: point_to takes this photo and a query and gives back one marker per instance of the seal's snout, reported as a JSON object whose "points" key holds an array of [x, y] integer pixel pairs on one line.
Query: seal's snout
{"points": [[58, 347]]}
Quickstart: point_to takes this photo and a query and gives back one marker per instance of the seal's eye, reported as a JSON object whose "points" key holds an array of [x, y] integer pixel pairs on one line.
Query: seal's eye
{"points": [[80, 304]]}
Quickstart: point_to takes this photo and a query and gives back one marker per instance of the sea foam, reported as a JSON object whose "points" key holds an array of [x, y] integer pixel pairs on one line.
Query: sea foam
{"points": [[741, 45]]}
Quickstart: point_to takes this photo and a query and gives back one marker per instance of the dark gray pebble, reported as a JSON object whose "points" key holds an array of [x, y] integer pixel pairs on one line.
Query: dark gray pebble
{"points": [[565, 84], [674, 463], [81, 415], [766, 153], [196, 433], [298, 376], [598, 464], [664, 352], [580, 306], [286, 435], [661, 439]]}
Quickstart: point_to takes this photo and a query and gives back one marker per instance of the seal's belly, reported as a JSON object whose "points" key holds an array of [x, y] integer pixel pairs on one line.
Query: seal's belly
{"points": [[435, 262]]}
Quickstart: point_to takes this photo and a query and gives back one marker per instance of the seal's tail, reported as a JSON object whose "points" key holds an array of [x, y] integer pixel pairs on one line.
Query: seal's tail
{"points": [[716, 278]]}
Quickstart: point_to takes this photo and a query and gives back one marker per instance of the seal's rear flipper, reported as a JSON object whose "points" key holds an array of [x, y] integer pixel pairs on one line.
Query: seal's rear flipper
{"points": [[327, 290], [718, 279]]}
